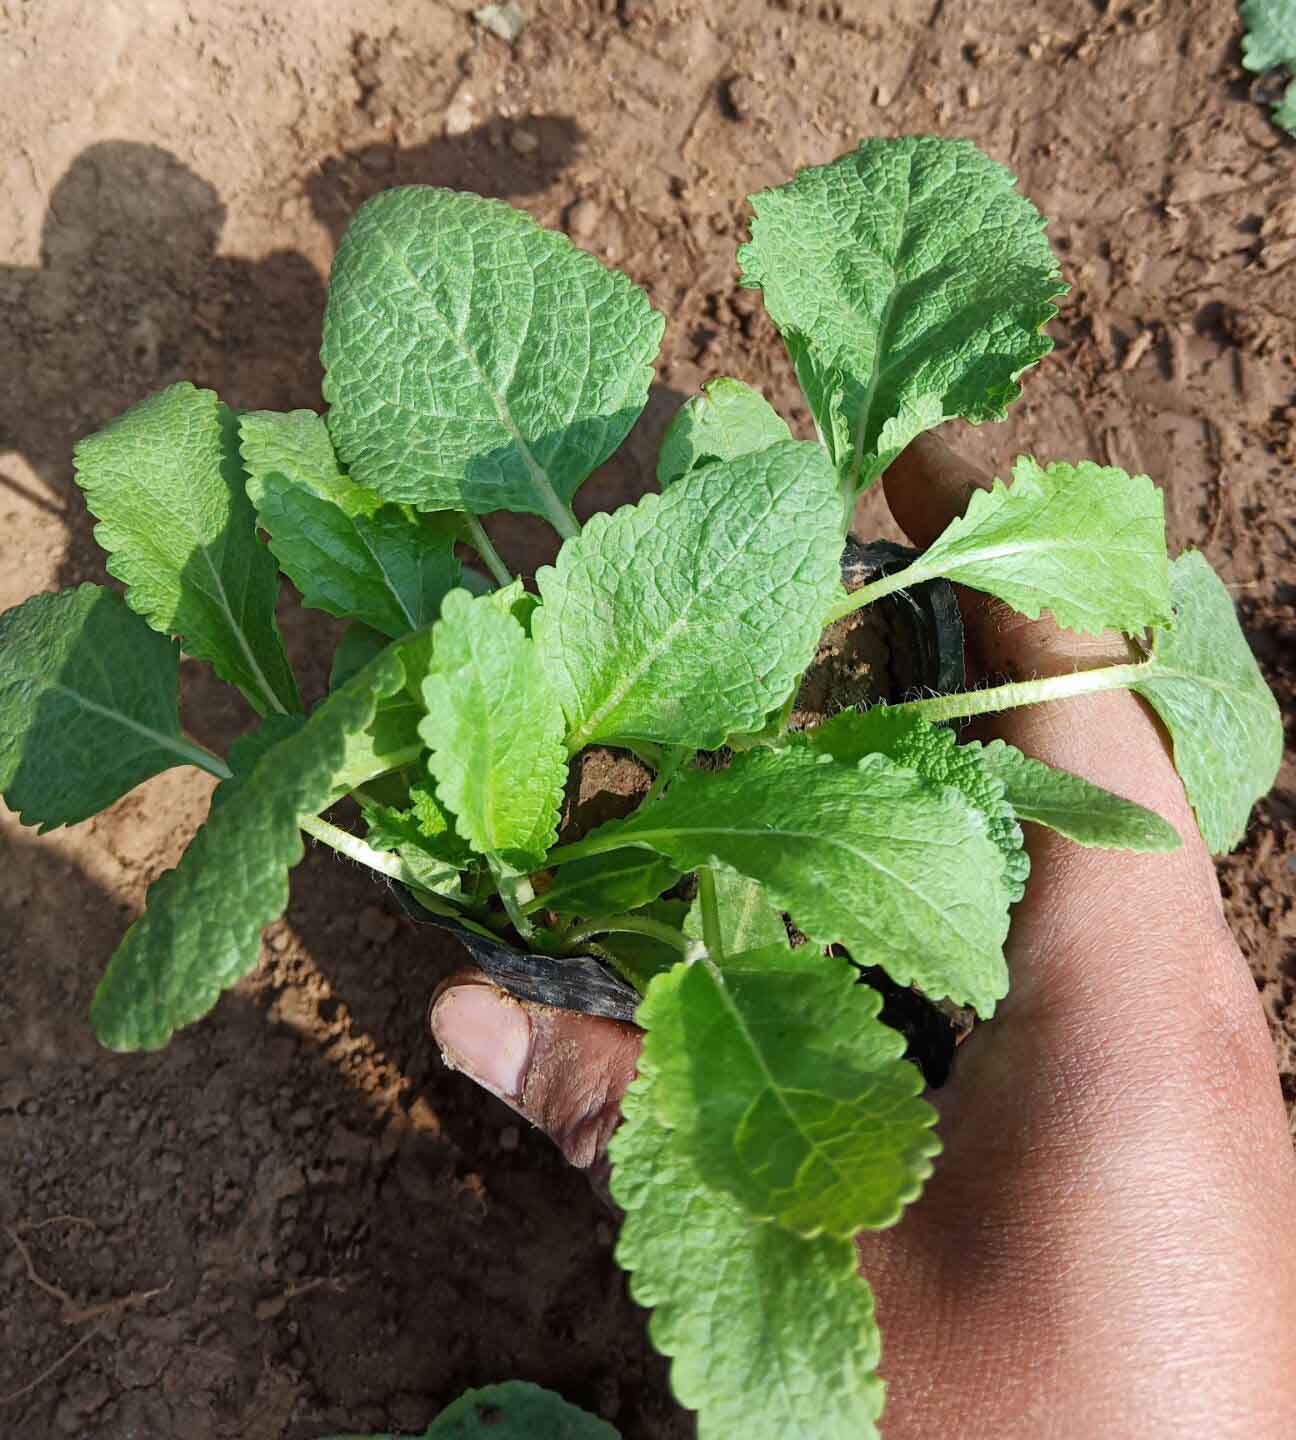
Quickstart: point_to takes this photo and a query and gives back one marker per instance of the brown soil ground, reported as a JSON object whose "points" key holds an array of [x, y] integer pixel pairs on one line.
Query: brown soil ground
{"points": [[340, 1234]]}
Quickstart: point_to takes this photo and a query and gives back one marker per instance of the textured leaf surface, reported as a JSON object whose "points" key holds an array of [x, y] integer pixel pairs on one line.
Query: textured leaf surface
{"points": [[933, 751], [249, 748], [871, 856], [609, 884], [692, 614], [1270, 40], [786, 1091], [770, 1335], [475, 361], [202, 929], [167, 485], [422, 835], [1073, 806], [87, 705], [1205, 684], [346, 552], [1085, 542], [513, 1410], [726, 420], [747, 919], [495, 729], [910, 282]]}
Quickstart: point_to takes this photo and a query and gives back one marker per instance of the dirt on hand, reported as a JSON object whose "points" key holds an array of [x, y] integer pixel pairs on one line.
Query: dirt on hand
{"points": [[294, 1221]]}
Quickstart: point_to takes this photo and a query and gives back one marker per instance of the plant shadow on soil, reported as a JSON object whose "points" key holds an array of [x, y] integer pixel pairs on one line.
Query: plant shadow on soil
{"points": [[350, 1233]]}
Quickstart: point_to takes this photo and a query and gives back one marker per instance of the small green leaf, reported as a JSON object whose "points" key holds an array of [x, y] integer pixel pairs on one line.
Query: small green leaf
{"points": [[692, 614], [87, 705], [167, 485], [1085, 542], [422, 835], [358, 645], [932, 751], [378, 564], [786, 1091], [1072, 806], [872, 857], [202, 929], [910, 282], [747, 919], [1270, 40], [1204, 683], [389, 742], [513, 1410], [475, 361], [726, 420], [495, 728], [609, 884], [771, 1335]]}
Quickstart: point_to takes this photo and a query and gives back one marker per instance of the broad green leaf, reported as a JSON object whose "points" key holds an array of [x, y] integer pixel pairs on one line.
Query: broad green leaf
{"points": [[747, 919], [1071, 805], [786, 1091], [1085, 542], [726, 420], [389, 742], [869, 856], [910, 282], [249, 748], [609, 884], [771, 1335], [167, 486], [513, 1410], [933, 751], [358, 645], [692, 614], [381, 565], [1204, 683], [87, 705], [1270, 40], [202, 929], [495, 728], [475, 361]]}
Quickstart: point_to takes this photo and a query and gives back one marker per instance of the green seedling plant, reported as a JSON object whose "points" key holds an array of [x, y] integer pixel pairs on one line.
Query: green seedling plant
{"points": [[475, 363]]}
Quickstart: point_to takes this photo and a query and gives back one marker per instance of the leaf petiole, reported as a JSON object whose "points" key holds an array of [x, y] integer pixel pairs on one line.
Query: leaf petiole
{"points": [[385, 862], [1027, 692], [630, 924], [712, 932], [199, 755], [481, 542]]}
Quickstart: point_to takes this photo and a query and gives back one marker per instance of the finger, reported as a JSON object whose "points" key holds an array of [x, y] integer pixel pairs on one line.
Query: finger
{"points": [[562, 1071]]}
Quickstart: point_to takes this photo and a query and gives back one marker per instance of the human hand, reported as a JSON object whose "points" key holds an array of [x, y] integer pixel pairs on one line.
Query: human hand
{"points": [[1105, 1248]]}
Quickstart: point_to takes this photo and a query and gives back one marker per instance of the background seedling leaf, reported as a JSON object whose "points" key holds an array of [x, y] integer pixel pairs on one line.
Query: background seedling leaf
{"points": [[495, 729], [1085, 542], [476, 361], [770, 1335], [932, 751], [870, 856], [87, 705], [747, 919], [202, 929], [910, 282], [610, 884], [786, 1091], [726, 420], [1270, 40], [514, 1410], [346, 552], [1205, 684], [1071, 805], [167, 485], [692, 614]]}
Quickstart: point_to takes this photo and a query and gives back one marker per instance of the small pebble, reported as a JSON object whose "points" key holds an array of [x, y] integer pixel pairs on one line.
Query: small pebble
{"points": [[525, 142], [583, 219]]}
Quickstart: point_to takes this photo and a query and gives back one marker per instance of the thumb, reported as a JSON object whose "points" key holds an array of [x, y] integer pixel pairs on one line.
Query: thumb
{"points": [[562, 1071]]}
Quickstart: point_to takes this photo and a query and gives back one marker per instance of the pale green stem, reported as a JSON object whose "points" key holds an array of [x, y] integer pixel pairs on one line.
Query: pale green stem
{"points": [[199, 755], [1025, 692], [383, 861], [885, 585], [711, 931], [672, 761], [481, 542], [516, 892], [629, 924]]}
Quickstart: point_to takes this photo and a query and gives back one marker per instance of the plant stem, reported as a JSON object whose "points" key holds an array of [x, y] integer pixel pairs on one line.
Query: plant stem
{"points": [[199, 755], [515, 891], [383, 861], [711, 931], [481, 542], [876, 589], [672, 761], [1026, 692], [629, 924]]}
